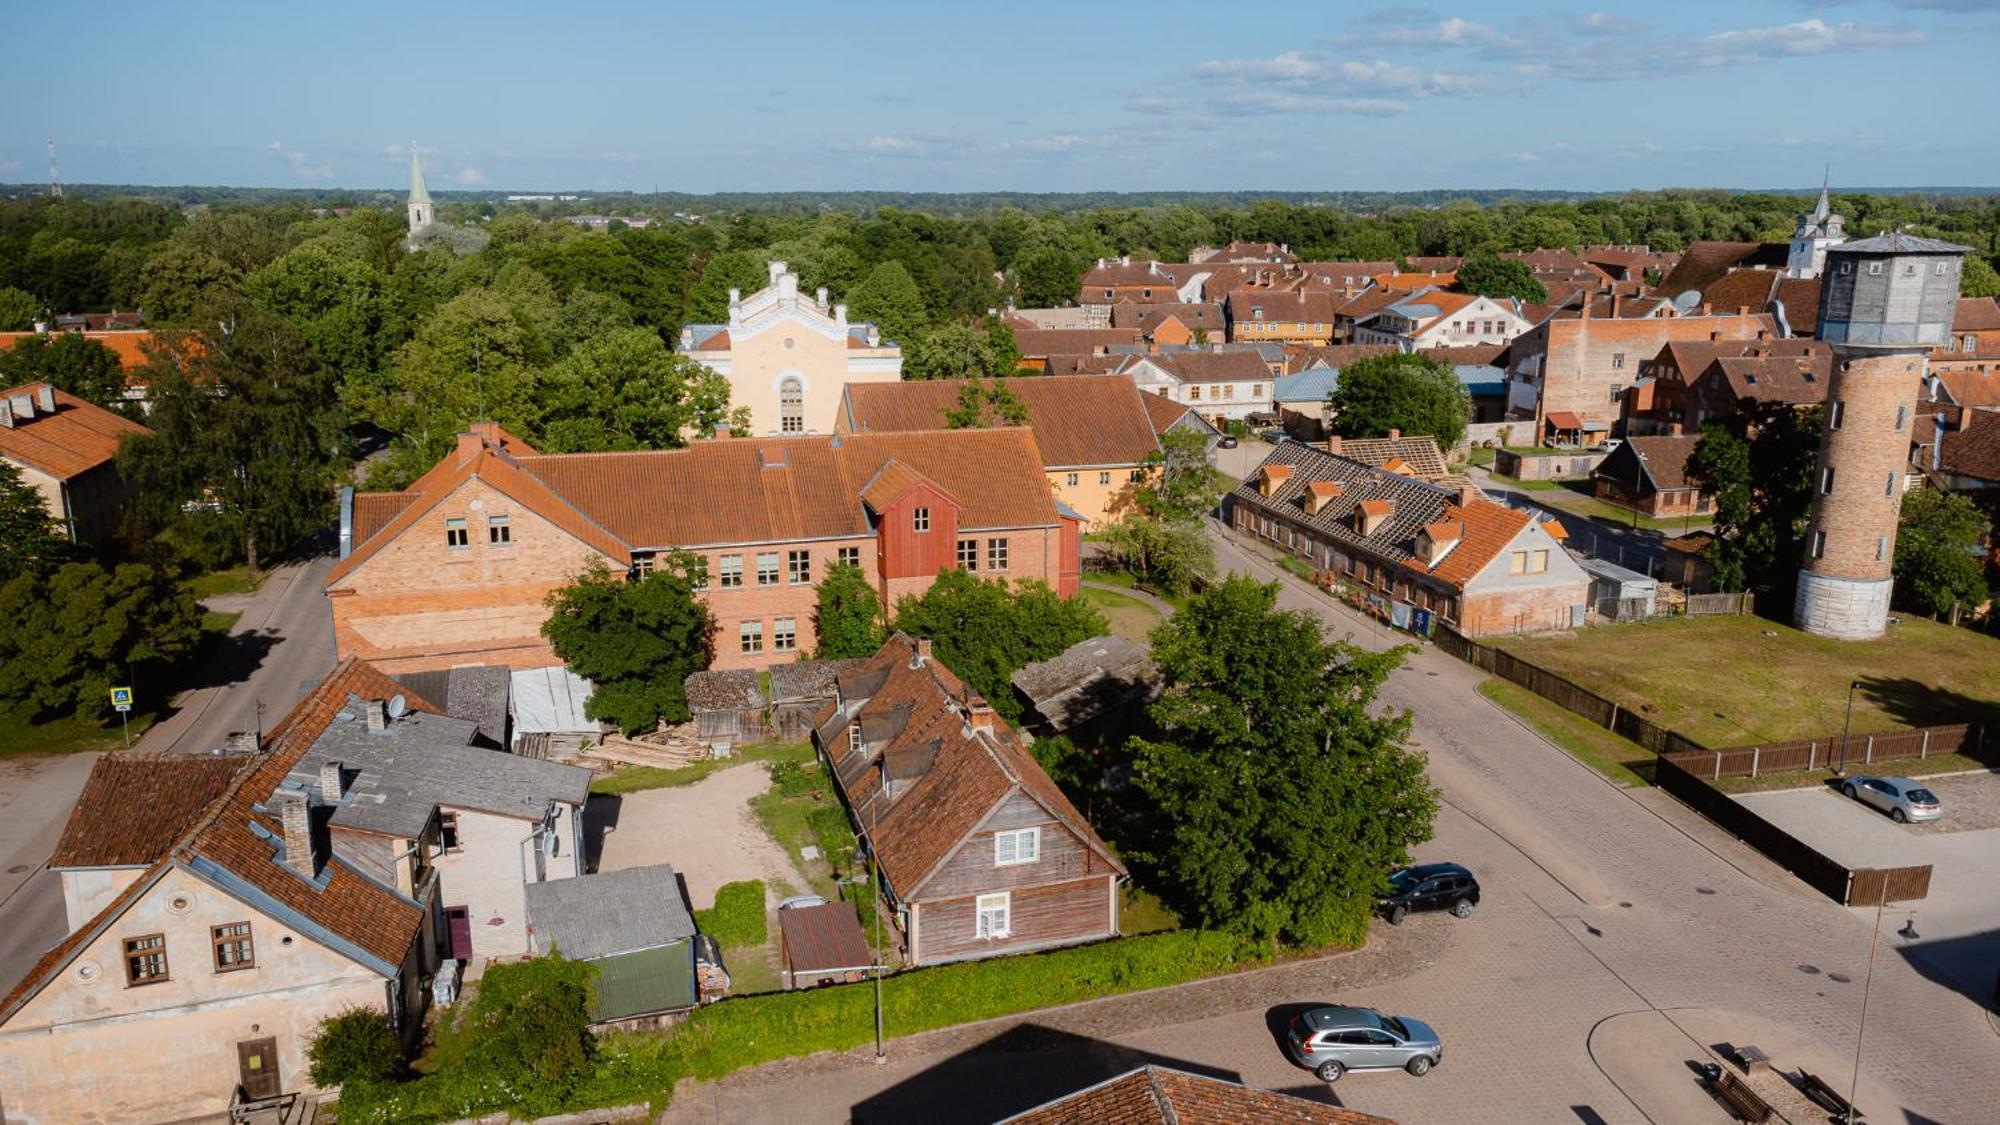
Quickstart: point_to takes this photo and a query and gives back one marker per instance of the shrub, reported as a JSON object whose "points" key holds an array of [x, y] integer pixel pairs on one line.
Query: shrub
{"points": [[531, 1027], [737, 918], [356, 1045]]}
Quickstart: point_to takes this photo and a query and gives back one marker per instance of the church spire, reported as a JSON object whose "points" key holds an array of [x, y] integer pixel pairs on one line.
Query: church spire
{"points": [[418, 193], [1825, 207]]}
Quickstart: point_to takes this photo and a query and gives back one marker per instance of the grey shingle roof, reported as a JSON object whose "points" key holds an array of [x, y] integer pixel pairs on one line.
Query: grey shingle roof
{"points": [[477, 692], [1413, 503], [609, 913], [1897, 242], [807, 679], [731, 690]]}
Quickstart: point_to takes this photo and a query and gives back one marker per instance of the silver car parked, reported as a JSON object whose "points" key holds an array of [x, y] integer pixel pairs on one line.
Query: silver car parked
{"points": [[1904, 799], [1334, 1040]]}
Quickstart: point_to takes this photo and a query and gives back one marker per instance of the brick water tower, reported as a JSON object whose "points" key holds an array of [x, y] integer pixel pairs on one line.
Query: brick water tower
{"points": [[1884, 303]]}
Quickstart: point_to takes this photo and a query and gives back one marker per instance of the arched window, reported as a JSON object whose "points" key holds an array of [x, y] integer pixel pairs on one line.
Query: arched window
{"points": [[791, 406]]}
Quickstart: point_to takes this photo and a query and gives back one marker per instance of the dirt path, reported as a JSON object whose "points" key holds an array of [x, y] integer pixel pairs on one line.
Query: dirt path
{"points": [[706, 830]]}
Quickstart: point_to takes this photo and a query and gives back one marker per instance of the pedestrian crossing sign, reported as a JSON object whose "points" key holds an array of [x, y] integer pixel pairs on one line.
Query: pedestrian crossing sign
{"points": [[121, 698]]}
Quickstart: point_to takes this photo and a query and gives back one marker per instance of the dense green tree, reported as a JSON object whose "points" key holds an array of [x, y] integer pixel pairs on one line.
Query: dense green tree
{"points": [[985, 632], [1411, 393], [67, 274], [333, 300], [69, 633], [636, 641], [625, 390], [69, 361], [966, 285], [982, 405], [889, 298], [19, 310], [1758, 468], [29, 536], [355, 1045], [848, 620], [247, 443], [529, 1028], [1180, 484], [1169, 556], [1001, 345], [1979, 278], [1285, 796], [737, 269], [1940, 552], [179, 283], [1490, 275], [1046, 277], [954, 350]]}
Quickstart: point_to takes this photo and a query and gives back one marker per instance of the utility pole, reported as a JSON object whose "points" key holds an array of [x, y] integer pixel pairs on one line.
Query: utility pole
{"points": [[881, 901], [55, 180], [1846, 727]]}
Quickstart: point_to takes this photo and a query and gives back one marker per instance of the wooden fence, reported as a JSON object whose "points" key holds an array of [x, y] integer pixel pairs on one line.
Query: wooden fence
{"points": [[1718, 605], [1857, 751], [1562, 692]]}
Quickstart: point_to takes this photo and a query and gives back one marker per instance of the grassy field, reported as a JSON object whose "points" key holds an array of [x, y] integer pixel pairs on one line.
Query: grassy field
{"points": [[235, 580], [1802, 779], [632, 779], [1125, 579], [18, 736], [1129, 617], [1723, 682], [1623, 761]]}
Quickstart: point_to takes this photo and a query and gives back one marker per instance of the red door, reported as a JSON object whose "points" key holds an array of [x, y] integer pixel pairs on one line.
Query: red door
{"points": [[459, 920]]}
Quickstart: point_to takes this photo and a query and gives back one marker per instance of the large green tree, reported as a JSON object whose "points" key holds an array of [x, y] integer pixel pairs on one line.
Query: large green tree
{"points": [[848, 618], [1168, 555], [1180, 484], [955, 350], [985, 631], [69, 633], [1414, 394], [248, 440], [637, 641], [740, 270], [985, 404], [1489, 275], [18, 309], [889, 298], [69, 361], [1284, 795], [180, 283], [1757, 467], [334, 300], [29, 536], [1046, 276], [1941, 552], [625, 390]]}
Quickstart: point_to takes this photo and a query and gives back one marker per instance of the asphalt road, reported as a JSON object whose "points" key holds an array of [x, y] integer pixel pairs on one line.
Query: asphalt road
{"points": [[1621, 938], [280, 647]]}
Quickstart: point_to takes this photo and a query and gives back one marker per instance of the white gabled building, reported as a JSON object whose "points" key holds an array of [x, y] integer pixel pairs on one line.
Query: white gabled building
{"points": [[1436, 318]]}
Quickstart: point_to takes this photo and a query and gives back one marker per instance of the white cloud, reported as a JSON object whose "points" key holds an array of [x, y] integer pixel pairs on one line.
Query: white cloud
{"points": [[303, 165], [887, 145], [469, 176]]}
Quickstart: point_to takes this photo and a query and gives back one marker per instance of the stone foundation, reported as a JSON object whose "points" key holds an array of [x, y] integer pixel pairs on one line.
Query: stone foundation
{"points": [[1844, 608]]}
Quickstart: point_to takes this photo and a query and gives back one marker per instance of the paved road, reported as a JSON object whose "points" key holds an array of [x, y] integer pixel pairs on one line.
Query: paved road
{"points": [[281, 646], [35, 799], [1621, 937]]}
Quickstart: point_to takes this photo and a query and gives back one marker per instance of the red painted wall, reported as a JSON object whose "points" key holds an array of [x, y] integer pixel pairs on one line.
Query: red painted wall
{"points": [[904, 552], [1069, 566]]}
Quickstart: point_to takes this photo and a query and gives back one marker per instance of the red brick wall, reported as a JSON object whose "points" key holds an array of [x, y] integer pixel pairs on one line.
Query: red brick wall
{"points": [[1520, 611]]}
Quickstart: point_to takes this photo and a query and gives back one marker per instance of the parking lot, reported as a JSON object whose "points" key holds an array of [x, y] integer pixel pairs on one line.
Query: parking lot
{"points": [[1958, 923]]}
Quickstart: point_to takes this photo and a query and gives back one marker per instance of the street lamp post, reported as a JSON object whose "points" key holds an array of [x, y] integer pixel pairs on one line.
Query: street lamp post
{"points": [[1847, 727]]}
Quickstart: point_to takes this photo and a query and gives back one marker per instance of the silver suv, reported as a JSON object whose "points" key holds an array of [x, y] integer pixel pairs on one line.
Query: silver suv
{"points": [[1332, 1041]]}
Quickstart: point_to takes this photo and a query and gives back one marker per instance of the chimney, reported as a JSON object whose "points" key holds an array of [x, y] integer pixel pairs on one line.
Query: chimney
{"points": [[41, 328], [376, 714], [1469, 494], [469, 445], [721, 431], [1714, 335], [45, 398], [979, 714], [819, 298], [840, 315], [922, 655], [1617, 304], [687, 339], [329, 781], [775, 269], [1395, 434], [6, 414], [295, 815], [1333, 445], [1937, 441], [1125, 260]]}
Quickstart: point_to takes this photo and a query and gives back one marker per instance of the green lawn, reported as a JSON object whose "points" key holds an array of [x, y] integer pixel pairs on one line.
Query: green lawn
{"points": [[1801, 779], [1722, 682], [235, 580], [1623, 761], [1530, 485], [1142, 912], [64, 736], [1129, 617], [632, 779], [1480, 456], [1126, 579]]}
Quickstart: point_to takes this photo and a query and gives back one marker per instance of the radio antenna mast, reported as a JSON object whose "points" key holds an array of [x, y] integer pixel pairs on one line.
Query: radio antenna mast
{"points": [[55, 178]]}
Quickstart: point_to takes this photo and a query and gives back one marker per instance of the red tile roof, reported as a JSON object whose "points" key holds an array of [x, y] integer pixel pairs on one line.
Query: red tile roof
{"points": [[1158, 1095], [1213, 367], [1976, 314], [134, 806], [1971, 388], [1040, 343], [78, 437], [1281, 307], [1973, 450], [1162, 412], [1078, 420], [128, 344]]}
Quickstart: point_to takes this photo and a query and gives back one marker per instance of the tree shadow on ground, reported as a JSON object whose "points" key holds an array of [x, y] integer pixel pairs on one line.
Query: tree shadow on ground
{"points": [[1915, 704], [1968, 965], [1024, 1067]]}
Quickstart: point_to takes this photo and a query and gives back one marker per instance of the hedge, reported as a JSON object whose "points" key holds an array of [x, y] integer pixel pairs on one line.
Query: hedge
{"points": [[737, 918], [748, 1031]]}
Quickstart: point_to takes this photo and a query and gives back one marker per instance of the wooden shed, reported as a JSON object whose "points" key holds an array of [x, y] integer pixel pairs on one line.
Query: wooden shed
{"points": [[799, 691], [822, 945], [729, 707]]}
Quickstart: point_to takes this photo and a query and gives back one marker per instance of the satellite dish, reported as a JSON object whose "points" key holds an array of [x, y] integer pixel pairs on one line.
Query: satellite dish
{"points": [[398, 706], [1687, 302]]}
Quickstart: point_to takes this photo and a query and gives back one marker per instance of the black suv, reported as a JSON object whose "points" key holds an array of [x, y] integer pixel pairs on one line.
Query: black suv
{"points": [[1431, 886]]}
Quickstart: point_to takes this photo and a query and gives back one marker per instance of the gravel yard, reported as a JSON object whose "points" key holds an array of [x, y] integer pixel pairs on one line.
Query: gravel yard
{"points": [[706, 830]]}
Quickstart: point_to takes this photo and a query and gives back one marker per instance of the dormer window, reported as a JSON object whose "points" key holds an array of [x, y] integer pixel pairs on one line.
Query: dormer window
{"points": [[854, 738]]}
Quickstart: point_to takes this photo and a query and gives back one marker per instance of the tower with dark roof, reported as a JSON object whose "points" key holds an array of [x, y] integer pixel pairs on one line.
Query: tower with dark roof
{"points": [[1884, 303], [422, 214], [1819, 230]]}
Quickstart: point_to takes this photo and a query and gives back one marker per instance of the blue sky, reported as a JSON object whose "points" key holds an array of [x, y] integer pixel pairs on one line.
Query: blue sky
{"points": [[945, 96]]}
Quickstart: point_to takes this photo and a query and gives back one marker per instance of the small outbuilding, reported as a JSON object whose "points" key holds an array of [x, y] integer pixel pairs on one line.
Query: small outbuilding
{"points": [[729, 706], [800, 691], [822, 945], [1086, 682], [1617, 592], [546, 706], [634, 926]]}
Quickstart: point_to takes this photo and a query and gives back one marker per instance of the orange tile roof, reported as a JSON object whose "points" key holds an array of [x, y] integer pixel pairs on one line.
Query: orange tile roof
{"points": [[1323, 489], [1161, 411], [353, 908], [1971, 388], [1976, 314], [134, 806], [1040, 343], [891, 481], [1376, 507], [1556, 530], [1159, 1095], [1078, 420], [967, 774], [1487, 528], [128, 344], [78, 437]]}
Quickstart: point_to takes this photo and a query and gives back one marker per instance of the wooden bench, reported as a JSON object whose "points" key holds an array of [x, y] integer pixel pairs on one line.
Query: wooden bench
{"points": [[1740, 1099], [1825, 1096]]}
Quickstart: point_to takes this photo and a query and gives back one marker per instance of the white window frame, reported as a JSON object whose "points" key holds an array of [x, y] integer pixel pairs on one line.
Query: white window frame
{"points": [[993, 916], [1017, 846]]}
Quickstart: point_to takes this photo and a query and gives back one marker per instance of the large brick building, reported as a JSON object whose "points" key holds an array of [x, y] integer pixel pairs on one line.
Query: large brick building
{"points": [[1405, 545], [66, 450], [1580, 364], [455, 569]]}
